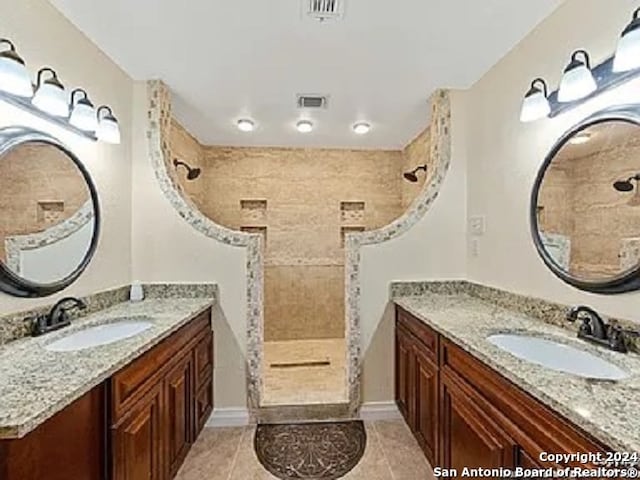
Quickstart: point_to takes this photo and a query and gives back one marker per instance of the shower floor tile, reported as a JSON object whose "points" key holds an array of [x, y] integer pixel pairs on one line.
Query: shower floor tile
{"points": [[301, 375]]}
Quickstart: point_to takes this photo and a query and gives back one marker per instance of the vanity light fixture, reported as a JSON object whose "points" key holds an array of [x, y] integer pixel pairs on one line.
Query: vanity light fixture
{"points": [[108, 129], [50, 96], [246, 125], [361, 128], [577, 81], [628, 52], [83, 114], [536, 102], [304, 126], [14, 77]]}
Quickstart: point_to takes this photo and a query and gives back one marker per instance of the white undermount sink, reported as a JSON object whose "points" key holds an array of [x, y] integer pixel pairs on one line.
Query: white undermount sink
{"points": [[558, 356], [100, 335]]}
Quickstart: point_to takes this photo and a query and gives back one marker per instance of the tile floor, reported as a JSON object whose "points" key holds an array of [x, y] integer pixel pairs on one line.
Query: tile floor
{"points": [[227, 454], [305, 385]]}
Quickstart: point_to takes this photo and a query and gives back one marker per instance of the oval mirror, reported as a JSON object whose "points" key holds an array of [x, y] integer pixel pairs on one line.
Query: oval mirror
{"points": [[585, 208], [49, 214]]}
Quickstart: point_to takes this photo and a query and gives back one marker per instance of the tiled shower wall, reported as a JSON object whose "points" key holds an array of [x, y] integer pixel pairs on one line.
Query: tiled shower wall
{"points": [[39, 187], [304, 201], [584, 183]]}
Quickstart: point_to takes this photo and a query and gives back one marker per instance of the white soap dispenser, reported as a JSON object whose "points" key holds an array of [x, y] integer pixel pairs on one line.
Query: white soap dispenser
{"points": [[137, 293]]}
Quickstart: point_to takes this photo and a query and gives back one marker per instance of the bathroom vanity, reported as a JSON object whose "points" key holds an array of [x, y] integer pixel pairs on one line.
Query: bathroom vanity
{"points": [[469, 404], [138, 418]]}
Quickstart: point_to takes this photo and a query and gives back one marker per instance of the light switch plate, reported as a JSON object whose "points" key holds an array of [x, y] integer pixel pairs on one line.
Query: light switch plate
{"points": [[477, 225], [475, 247]]}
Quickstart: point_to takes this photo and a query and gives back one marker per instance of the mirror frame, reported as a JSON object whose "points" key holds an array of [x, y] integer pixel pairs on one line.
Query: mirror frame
{"points": [[627, 281], [13, 284]]}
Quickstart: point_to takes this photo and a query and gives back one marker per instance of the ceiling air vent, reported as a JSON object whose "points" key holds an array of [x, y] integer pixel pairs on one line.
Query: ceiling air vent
{"points": [[323, 10], [312, 101]]}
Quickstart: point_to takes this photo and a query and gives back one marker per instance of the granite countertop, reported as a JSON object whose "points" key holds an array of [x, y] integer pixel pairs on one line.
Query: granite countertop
{"points": [[35, 383], [608, 410]]}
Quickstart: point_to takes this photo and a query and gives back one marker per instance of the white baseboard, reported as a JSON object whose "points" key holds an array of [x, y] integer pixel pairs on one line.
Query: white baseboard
{"points": [[373, 411], [229, 417]]}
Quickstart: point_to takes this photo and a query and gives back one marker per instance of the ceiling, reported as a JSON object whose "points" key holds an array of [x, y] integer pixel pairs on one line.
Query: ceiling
{"points": [[229, 59]]}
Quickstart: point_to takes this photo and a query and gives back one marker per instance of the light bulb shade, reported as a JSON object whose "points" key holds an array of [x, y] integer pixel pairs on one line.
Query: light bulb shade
{"points": [[535, 104], [83, 116], [246, 125], [628, 52], [14, 77], [108, 128], [577, 81], [50, 96]]}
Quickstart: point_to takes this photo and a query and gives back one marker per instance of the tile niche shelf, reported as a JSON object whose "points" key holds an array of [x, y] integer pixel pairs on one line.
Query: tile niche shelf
{"points": [[262, 230], [352, 213], [349, 229], [253, 211]]}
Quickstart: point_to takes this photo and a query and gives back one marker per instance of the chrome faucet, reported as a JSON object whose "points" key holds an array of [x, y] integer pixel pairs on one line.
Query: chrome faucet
{"points": [[57, 318], [594, 329]]}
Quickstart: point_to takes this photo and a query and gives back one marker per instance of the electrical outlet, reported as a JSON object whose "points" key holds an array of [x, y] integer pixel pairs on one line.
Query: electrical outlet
{"points": [[477, 225]]}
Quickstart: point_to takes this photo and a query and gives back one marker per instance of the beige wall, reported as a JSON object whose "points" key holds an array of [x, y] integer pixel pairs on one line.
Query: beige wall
{"points": [[39, 187], [44, 37], [505, 155]]}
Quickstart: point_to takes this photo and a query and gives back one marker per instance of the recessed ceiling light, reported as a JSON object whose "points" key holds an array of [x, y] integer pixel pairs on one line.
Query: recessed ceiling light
{"points": [[580, 138], [361, 128], [246, 125], [304, 126]]}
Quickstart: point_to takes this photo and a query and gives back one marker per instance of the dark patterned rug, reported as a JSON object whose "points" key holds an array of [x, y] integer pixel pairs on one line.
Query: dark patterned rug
{"points": [[318, 451]]}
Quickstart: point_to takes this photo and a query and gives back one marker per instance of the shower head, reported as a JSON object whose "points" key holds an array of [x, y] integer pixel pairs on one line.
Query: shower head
{"points": [[412, 175], [192, 173], [623, 186], [626, 185]]}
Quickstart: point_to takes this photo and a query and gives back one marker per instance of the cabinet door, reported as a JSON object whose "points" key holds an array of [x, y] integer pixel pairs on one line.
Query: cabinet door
{"points": [[137, 440], [203, 407], [404, 387], [470, 434], [426, 402], [179, 401]]}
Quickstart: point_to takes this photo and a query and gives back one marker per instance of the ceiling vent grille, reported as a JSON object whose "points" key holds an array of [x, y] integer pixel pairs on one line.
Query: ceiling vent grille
{"points": [[312, 101], [323, 10]]}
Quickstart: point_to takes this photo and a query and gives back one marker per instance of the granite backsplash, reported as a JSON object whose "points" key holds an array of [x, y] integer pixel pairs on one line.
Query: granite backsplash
{"points": [[16, 325], [544, 310]]}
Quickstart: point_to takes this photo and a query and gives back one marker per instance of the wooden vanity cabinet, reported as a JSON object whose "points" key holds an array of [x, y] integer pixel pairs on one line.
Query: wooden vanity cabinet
{"points": [[479, 417], [70, 445], [139, 424], [417, 381], [160, 403]]}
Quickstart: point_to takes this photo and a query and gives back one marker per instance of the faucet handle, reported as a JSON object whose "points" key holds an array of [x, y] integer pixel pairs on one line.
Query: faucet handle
{"points": [[586, 328], [38, 324], [616, 338]]}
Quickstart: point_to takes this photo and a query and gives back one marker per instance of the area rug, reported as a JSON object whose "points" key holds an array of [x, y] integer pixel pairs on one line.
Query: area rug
{"points": [[310, 451]]}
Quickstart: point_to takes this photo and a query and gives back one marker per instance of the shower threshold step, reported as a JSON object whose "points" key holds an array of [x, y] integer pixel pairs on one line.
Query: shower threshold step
{"points": [[304, 413]]}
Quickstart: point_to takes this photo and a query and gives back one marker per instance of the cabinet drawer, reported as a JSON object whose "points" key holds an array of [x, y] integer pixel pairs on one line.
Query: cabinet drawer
{"points": [[143, 373], [537, 428], [203, 354], [203, 406], [428, 337]]}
